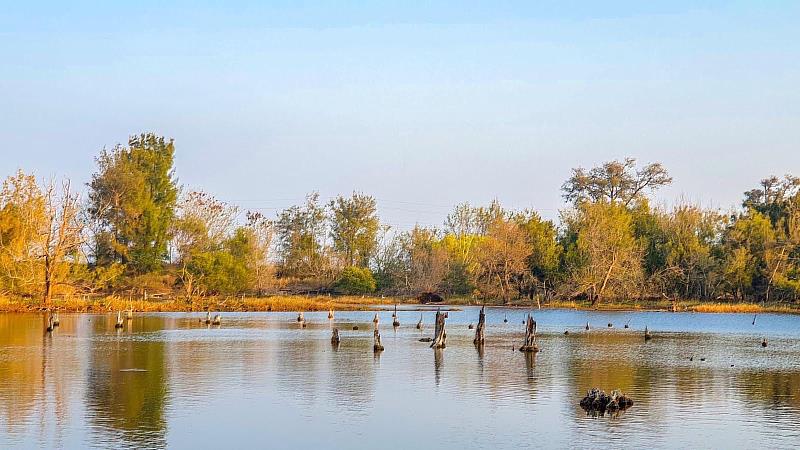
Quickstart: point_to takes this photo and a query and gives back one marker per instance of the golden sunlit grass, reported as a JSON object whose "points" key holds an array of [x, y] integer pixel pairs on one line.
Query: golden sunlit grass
{"points": [[728, 308], [348, 303], [273, 303]]}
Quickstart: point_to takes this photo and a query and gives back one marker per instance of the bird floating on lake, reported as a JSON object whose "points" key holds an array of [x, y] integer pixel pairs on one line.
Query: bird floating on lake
{"points": [[764, 342]]}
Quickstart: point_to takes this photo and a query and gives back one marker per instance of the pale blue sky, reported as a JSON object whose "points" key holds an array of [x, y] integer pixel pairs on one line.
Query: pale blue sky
{"points": [[421, 106]]}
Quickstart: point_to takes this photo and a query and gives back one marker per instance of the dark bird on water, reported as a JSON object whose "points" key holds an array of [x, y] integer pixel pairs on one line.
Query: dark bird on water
{"points": [[610, 325], [764, 342], [505, 318], [587, 326], [566, 332], [50, 325]]}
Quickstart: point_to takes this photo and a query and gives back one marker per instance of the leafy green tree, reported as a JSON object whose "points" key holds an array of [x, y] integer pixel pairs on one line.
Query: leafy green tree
{"points": [[354, 228], [615, 182], [300, 232], [543, 262], [355, 281], [602, 256], [132, 199]]}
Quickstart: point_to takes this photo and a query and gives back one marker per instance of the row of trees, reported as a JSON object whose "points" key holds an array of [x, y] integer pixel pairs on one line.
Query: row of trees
{"points": [[138, 229]]}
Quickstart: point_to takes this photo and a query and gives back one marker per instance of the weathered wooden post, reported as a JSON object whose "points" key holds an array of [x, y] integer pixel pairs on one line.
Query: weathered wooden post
{"points": [[377, 347], [439, 335], [479, 339], [376, 320], [395, 321], [530, 337], [335, 337]]}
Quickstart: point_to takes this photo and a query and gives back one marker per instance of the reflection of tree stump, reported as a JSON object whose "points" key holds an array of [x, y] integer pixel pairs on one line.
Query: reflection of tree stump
{"points": [[439, 335], [335, 336], [479, 339], [530, 337], [377, 346]]}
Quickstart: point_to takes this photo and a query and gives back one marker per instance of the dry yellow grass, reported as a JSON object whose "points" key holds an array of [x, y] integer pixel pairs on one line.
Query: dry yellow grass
{"points": [[728, 308], [274, 303]]}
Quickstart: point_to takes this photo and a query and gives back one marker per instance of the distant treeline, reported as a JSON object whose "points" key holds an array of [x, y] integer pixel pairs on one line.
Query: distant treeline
{"points": [[139, 231]]}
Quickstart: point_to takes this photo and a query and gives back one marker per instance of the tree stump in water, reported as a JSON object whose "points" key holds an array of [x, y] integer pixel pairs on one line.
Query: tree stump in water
{"points": [[439, 335], [377, 346], [598, 403], [395, 322], [479, 339], [530, 337], [335, 336]]}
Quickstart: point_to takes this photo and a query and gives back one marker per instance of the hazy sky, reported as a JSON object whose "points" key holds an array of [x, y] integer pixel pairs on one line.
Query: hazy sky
{"points": [[421, 106]]}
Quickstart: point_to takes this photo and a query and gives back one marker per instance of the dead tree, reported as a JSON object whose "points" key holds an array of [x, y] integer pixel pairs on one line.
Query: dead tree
{"points": [[439, 335], [530, 337], [479, 339], [377, 346], [335, 337]]}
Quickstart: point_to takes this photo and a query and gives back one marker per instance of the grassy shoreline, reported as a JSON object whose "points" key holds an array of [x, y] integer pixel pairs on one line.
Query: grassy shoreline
{"points": [[355, 303]]}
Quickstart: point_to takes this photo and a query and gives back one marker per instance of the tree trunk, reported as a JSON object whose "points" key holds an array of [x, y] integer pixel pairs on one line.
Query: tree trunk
{"points": [[439, 336], [377, 346], [479, 339], [530, 336]]}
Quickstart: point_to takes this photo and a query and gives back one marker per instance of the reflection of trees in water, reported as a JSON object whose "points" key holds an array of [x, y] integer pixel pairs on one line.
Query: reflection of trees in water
{"points": [[23, 346], [39, 371], [771, 389], [128, 405], [350, 372]]}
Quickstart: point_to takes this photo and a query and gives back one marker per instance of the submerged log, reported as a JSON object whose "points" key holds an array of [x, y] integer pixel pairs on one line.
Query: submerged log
{"points": [[439, 335], [479, 338], [530, 337], [377, 346], [598, 402], [335, 336]]}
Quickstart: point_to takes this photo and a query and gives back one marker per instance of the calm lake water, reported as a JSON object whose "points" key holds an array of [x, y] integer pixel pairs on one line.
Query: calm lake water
{"points": [[259, 380]]}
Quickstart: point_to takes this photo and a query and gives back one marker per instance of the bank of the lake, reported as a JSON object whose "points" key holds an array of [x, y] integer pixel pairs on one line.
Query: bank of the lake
{"points": [[283, 303]]}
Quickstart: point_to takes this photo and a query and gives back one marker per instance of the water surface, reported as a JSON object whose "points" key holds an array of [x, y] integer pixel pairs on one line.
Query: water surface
{"points": [[260, 380]]}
